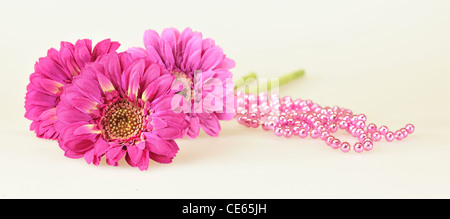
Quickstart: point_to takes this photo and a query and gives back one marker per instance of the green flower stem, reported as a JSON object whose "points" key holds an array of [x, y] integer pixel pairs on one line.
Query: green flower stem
{"points": [[281, 81], [241, 82], [287, 78]]}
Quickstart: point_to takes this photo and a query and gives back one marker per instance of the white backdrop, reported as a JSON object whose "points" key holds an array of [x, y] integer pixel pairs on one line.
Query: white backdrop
{"points": [[387, 59]]}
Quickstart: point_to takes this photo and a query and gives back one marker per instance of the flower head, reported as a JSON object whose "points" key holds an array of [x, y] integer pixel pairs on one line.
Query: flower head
{"points": [[51, 74], [185, 54], [120, 106]]}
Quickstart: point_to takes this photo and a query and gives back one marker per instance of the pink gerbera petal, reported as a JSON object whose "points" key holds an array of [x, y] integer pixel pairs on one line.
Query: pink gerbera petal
{"points": [[209, 123], [102, 115], [183, 55], [52, 74]]}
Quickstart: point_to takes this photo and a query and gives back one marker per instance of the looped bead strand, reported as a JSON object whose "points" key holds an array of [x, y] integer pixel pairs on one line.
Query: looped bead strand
{"points": [[302, 118]]}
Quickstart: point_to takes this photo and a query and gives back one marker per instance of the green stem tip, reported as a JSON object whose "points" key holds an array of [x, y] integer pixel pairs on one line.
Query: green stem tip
{"points": [[291, 76], [241, 82], [267, 86]]}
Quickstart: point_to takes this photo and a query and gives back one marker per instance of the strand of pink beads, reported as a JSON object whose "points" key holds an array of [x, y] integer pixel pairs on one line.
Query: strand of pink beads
{"points": [[287, 117]]}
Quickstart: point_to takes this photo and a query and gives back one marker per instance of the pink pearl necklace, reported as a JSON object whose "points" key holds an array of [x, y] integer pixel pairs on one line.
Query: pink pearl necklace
{"points": [[288, 118]]}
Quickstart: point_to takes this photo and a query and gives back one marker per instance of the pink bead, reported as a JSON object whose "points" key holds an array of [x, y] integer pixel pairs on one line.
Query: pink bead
{"points": [[240, 120], [262, 115], [359, 131], [345, 147], [333, 118], [248, 122], [329, 111], [336, 109], [295, 130], [243, 120], [329, 140], [253, 116], [302, 104], [405, 132], [273, 118], [352, 131], [316, 110], [271, 124], [265, 109], [349, 112], [315, 106], [266, 126], [255, 123], [317, 123], [287, 133], [371, 128], [290, 121], [383, 130], [321, 128], [302, 133], [306, 126], [287, 99], [335, 143], [343, 124], [314, 133], [354, 119], [289, 105], [360, 124], [376, 136], [346, 118], [333, 128], [358, 147], [362, 117], [409, 128], [278, 131], [367, 145], [362, 137], [323, 118], [390, 136], [251, 97], [282, 120], [399, 135], [324, 135], [350, 126]]}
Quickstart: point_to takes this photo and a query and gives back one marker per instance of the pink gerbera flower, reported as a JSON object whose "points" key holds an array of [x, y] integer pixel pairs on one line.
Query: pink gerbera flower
{"points": [[184, 55], [119, 106], [51, 74]]}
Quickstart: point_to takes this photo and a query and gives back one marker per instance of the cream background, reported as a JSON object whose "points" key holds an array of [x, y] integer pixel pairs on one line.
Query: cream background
{"points": [[387, 59]]}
